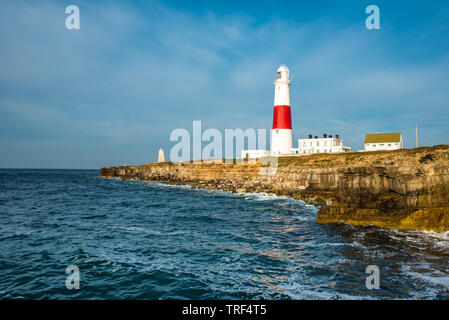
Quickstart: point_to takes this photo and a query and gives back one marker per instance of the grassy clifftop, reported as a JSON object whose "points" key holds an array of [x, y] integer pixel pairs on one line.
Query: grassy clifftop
{"points": [[404, 157]]}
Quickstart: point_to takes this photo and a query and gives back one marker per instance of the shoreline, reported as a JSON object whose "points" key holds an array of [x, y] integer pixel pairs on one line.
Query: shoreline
{"points": [[403, 189], [437, 235]]}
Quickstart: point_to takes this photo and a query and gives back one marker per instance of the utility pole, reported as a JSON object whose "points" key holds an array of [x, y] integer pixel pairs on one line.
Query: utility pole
{"points": [[416, 132]]}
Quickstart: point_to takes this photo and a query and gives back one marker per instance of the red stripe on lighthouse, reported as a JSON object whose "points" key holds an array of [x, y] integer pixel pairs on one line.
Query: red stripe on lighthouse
{"points": [[282, 118]]}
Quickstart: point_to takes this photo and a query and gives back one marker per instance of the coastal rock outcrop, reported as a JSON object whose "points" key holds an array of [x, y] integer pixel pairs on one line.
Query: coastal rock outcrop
{"points": [[404, 189]]}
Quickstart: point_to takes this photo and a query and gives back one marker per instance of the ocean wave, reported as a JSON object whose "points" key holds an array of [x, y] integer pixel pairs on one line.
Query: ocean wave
{"points": [[421, 238], [434, 277], [149, 231], [166, 185], [262, 196], [159, 241]]}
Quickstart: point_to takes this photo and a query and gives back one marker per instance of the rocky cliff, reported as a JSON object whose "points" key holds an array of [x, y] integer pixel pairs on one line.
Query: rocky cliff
{"points": [[404, 189]]}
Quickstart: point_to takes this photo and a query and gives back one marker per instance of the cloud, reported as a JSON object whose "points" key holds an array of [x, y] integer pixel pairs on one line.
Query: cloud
{"points": [[135, 71]]}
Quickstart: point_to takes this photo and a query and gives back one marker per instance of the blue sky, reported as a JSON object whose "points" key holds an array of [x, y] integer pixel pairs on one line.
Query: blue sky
{"points": [[111, 92]]}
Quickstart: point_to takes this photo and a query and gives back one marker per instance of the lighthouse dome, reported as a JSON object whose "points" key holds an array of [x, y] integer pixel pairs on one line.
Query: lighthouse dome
{"points": [[283, 68], [282, 73]]}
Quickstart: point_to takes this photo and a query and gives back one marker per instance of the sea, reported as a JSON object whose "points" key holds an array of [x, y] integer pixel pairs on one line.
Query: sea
{"points": [[69, 234]]}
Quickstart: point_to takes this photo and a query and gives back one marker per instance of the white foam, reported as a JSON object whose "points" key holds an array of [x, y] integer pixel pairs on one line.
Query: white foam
{"points": [[436, 278], [166, 185], [299, 291], [149, 231], [304, 217], [262, 196], [436, 235], [439, 240]]}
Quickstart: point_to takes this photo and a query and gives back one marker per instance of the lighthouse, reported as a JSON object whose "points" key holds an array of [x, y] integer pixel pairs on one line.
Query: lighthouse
{"points": [[281, 134]]}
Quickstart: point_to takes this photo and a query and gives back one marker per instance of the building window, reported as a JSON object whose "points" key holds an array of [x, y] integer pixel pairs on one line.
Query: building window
{"points": [[381, 144], [389, 144], [317, 143], [325, 143], [304, 144], [374, 145]]}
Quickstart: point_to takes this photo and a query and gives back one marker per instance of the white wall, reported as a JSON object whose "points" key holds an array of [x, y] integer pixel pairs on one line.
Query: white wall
{"points": [[384, 146], [281, 93], [254, 154], [321, 145], [282, 88], [281, 141]]}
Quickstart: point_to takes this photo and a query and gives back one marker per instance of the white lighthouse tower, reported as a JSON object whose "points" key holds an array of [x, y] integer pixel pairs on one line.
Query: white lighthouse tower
{"points": [[281, 134]]}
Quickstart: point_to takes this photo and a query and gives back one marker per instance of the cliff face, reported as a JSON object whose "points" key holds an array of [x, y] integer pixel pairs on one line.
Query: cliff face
{"points": [[404, 189]]}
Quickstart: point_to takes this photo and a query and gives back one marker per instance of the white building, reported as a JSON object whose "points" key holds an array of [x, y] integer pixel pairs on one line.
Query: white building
{"points": [[254, 154], [383, 141], [326, 144]]}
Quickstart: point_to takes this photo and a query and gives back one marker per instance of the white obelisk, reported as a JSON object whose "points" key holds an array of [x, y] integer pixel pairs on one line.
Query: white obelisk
{"points": [[161, 157]]}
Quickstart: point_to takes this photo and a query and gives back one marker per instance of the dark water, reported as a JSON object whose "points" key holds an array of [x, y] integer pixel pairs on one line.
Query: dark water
{"points": [[150, 241]]}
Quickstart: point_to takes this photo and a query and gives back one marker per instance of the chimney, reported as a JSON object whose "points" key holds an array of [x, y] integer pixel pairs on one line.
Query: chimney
{"points": [[324, 135], [310, 136], [316, 137], [337, 136], [330, 136]]}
